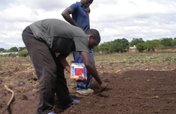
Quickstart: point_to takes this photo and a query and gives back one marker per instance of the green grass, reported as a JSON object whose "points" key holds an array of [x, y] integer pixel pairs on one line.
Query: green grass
{"points": [[115, 62], [137, 59]]}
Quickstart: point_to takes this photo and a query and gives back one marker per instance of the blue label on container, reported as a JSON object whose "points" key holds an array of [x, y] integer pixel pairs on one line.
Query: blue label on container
{"points": [[85, 73], [77, 62], [73, 71]]}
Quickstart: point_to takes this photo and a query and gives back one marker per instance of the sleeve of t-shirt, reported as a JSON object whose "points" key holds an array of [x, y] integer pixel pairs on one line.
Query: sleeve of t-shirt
{"points": [[74, 6], [81, 44]]}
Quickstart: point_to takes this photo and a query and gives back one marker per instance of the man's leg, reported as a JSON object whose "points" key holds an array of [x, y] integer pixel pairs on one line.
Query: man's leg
{"points": [[86, 83], [61, 88], [45, 67]]}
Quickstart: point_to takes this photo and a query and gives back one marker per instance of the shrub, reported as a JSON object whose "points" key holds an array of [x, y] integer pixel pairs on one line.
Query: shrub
{"points": [[141, 47], [22, 53], [115, 47]]}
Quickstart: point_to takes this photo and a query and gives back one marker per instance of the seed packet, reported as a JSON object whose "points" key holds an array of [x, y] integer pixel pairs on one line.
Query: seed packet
{"points": [[78, 69]]}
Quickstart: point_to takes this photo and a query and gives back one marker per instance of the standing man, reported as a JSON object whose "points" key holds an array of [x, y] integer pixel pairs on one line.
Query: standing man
{"points": [[43, 39], [80, 18]]}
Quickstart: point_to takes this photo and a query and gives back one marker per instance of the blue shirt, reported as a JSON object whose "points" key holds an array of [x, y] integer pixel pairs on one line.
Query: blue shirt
{"points": [[80, 16]]}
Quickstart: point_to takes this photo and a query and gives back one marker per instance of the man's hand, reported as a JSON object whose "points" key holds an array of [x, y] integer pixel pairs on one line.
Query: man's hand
{"points": [[103, 86]]}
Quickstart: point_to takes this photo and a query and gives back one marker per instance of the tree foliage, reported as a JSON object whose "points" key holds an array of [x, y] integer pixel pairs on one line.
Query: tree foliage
{"points": [[13, 49], [105, 47], [167, 42], [22, 53], [22, 48], [174, 42], [2, 49], [124, 42], [115, 47], [141, 47], [118, 45], [135, 41], [151, 45], [121, 45]]}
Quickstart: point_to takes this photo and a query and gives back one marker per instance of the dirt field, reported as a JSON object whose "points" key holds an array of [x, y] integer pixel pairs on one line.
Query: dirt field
{"points": [[132, 89]]}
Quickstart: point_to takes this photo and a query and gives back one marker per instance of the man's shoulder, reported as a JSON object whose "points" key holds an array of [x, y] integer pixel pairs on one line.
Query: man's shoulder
{"points": [[77, 4]]}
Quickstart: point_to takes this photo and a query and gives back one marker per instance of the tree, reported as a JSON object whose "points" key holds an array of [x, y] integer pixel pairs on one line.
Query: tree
{"points": [[96, 48], [2, 49], [115, 47], [167, 42], [104, 47], [174, 42], [135, 41], [141, 47], [124, 42], [22, 48], [151, 45], [13, 49]]}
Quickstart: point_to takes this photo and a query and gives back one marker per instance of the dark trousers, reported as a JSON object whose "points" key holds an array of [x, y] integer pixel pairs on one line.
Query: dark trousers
{"points": [[49, 71]]}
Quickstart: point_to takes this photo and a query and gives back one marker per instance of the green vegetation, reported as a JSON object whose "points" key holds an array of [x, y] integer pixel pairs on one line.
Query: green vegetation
{"points": [[122, 45], [118, 45], [135, 41], [141, 47], [105, 63], [13, 49], [2, 49], [138, 60], [22, 53]]}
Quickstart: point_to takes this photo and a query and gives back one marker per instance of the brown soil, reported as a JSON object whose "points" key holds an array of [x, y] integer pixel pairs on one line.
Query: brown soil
{"points": [[129, 92]]}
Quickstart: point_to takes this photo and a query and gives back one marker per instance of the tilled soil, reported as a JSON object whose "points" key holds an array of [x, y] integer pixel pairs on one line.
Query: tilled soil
{"points": [[128, 92], [131, 92]]}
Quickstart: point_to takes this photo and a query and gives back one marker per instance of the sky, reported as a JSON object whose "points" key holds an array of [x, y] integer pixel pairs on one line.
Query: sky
{"points": [[115, 19]]}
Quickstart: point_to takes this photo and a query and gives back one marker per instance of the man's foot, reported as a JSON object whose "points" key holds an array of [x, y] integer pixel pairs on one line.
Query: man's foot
{"points": [[74, 101], [85, 92]]}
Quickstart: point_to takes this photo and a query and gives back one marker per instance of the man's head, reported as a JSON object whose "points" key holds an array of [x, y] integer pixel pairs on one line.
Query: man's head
{"points": [[86, 3], [93, 38]]}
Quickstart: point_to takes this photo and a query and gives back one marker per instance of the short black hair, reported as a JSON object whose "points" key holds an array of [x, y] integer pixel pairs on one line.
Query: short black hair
{"points": [[95, 34]]}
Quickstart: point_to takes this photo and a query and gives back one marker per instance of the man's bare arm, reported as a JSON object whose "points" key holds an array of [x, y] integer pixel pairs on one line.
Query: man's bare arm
{"points": [[90, 66], [66, 14], [92, 70], [63, 61]]}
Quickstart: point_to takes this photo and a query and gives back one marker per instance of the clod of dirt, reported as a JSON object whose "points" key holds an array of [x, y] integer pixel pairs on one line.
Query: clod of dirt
{"points": [[23, 97], [0, 81]]}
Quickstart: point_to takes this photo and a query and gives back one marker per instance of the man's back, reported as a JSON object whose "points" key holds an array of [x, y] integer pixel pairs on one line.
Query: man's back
{"points": [[55, 27], [49, 30]]}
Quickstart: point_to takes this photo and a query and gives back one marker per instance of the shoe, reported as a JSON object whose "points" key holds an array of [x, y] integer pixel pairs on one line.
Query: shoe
{"points": [[74, 101], [51, 113], [85, 92]]}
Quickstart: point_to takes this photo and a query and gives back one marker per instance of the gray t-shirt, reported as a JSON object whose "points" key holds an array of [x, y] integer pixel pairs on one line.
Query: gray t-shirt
{"points": [[48, 29]]}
